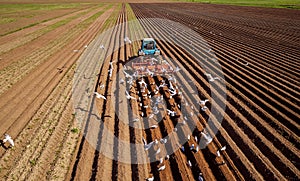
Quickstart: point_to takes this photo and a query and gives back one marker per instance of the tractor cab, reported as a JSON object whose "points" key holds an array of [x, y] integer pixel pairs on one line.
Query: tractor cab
{"points": [[148, 47]]}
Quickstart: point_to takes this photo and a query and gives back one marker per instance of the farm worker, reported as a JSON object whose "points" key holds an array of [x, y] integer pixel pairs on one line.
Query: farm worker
{"points": [[8, 138]]}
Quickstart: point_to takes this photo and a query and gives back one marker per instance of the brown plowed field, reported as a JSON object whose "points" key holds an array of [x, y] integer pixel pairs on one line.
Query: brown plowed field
{"points": [[257, 48]]}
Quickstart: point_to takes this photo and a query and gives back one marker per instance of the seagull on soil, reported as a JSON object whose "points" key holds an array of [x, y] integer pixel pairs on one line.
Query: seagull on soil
{"points": [[206, 137], [99, 95], [126, 39], [158, 151], [136, 120], [9, 139], [128, 96], [163, 141], [219, 150], [204, 108], [203, 102], [162, 168], [200, 178], [211, 78], [150, 179], [171, 113], [190, 163], [153, 126], [148, 146]]}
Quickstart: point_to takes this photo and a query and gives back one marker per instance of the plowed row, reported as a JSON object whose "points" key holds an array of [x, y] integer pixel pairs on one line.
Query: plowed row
{"points": [[260, 125], [257, 48]]}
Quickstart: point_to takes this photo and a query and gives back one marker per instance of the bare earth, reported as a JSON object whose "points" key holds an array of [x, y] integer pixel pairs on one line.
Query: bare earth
{"points": [[257, 48]]}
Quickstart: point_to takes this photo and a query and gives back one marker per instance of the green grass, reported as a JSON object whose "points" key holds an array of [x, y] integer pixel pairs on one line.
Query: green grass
{"points": [[5, 20], [15, 8], [293, 4]]}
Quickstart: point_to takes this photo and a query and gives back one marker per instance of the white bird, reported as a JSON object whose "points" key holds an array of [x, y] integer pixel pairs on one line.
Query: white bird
{"points": [[183, 122], [162, 168], [110, 72], [173, 93], [171, 113], [161, 160], [203, 108], [175, 129], [148, 146], [9, 139], [197, 148], [192, 147], [85, 46], [200, 178], [218, 153], [211, 78], [121, 81], [206, 137], [162, 85], [144, 141], [99, 95], [171, 86], [126, 39], [75, 50], [111, 65], [153, 126], [223, 148], [203, 102], [182, 148], [150, 179], [136, 120], [143, 83], [190, 163], [151, 116], [163, 141], [167, 157], [219, 150], [101, 86], [177, 69], [127, 75], [157, 151], [102, 46], [128, 96]]}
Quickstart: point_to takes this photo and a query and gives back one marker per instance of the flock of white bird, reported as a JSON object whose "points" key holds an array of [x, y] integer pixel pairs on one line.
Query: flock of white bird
{"points": [[146, 94]]}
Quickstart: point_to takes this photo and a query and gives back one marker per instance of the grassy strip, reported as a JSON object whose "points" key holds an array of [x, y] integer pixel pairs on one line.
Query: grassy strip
{"points": [[292, 4], [15, 10]]}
